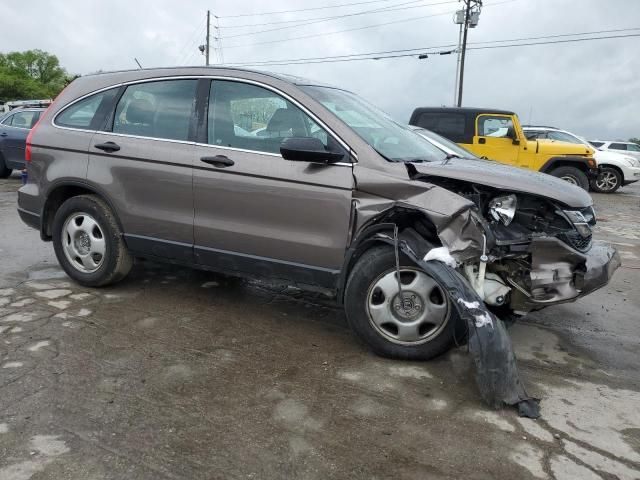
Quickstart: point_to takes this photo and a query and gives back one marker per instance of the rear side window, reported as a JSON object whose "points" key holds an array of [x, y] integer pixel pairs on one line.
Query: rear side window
{"points": [[89, 113], [618, 146], [160, 109], [450, 125]]}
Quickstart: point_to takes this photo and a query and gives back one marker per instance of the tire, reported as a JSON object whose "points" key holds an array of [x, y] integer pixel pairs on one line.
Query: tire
{"points": [[572, 175], [608, 181], [5, 171], [96, 256], [363, 295]]}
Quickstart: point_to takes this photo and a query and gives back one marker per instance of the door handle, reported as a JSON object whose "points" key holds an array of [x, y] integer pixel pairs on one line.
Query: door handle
{"points": [[219, 161], [4, 134], [108, 147]]}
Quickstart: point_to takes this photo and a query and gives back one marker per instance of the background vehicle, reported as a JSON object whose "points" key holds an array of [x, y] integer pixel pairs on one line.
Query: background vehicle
{"points": [[616, 169], [626, 148], [497, 135], [150, 163], [447, 146], [14, 128]]}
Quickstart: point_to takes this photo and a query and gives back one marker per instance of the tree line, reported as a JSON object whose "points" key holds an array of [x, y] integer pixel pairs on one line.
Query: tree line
{"points": [[32, 74]]}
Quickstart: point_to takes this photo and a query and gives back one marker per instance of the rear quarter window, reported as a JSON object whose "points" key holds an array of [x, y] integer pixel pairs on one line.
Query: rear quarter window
{"points": [[88, 113], [450, 125]]}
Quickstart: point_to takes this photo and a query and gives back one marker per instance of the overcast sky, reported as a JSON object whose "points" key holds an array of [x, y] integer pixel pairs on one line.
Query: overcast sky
{"points": [[590, 88]]}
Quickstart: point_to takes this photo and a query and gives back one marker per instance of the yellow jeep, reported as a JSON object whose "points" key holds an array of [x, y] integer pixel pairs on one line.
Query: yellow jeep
{"points": [[497, 135]]}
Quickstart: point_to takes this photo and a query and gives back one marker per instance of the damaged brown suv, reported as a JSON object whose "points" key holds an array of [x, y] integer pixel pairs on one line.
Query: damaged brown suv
{"points": [[265, 175]]}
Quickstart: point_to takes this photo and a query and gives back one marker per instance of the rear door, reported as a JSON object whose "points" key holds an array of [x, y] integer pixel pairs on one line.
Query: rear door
{"points": [[13, 136], [142, 160], [256, 212], [494, 138]]}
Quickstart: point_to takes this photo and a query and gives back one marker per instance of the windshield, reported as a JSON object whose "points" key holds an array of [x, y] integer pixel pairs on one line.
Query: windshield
{"points": [[446, 143], [392, 140]]}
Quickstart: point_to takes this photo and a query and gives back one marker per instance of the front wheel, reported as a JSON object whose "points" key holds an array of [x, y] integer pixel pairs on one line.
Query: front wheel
{"points": [[417, 325], [572, 175], [608, 181], [88, 242]]}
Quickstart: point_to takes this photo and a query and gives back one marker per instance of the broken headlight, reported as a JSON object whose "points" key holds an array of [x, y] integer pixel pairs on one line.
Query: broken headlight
{"points": [[503, 208]]}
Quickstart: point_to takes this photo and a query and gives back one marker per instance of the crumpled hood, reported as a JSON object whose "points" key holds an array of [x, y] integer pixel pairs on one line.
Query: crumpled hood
{"points": [[555, 147], [507, 178]]}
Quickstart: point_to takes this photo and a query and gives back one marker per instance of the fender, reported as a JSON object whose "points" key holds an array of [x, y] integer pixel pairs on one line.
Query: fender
{"points": [[497, 375], [586, 164]]}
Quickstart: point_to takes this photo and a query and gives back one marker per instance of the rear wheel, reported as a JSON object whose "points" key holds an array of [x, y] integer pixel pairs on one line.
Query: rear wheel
{"points": [[572, 175], [88, 242], [608, 181], [4, 170], [417, 325]]}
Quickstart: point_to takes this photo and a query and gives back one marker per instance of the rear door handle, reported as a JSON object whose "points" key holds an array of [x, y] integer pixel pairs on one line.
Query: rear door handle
{"points": [[3, 134], [108, 147], [219, 161]]}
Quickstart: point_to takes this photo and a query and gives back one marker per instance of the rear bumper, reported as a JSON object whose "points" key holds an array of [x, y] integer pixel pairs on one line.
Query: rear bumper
{"points": [[561, 274], [30, 218]]}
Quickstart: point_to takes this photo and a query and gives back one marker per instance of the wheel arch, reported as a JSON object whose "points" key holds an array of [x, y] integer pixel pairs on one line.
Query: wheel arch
{"points": [[63, 190], [370, 235], [555, 162], [614, 167]]}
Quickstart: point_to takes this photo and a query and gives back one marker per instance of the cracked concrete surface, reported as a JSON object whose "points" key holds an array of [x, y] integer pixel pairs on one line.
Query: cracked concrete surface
{"points": [[181, 374]]}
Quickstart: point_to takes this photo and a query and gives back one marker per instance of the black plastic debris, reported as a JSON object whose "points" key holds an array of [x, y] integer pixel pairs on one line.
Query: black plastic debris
{"points": [[489, 343]]}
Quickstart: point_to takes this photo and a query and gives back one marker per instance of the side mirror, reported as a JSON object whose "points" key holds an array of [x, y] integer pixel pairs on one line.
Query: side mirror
{"points": [[308, 149]]}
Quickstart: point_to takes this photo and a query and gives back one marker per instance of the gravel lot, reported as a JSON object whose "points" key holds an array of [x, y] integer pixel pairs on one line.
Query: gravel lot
{"points": [[181, 374]]}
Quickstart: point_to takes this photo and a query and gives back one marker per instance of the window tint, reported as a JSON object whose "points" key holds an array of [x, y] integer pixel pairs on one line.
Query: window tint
{"points": [[253, 118], [22, 119], [618, 146], [83, 113], [497, 127], [447, 124], [156, 109]]}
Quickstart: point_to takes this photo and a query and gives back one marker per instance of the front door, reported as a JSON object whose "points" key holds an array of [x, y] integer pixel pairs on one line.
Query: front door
{"points": [[143, 161], [494, 139], [256, 212]]}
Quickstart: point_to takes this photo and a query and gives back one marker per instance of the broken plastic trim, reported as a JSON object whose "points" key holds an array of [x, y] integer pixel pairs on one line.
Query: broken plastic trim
{"points": [[497, 374]]}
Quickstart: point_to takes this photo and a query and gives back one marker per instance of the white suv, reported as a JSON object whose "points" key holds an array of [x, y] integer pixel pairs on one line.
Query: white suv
{"points": [[617, 167]]}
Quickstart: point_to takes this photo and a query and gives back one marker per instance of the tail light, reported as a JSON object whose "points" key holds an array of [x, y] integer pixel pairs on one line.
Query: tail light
{"points": [[27, 148]]}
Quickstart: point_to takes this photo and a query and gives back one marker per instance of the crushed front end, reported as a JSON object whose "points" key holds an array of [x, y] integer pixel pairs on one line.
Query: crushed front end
{"points": [[536, 251]]}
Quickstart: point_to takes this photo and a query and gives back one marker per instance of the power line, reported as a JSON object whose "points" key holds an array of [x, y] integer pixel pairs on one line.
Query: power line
{"points": [[389, 8], [366, 12], [411, 19], [429, 50], [339, 31], [304, 9]]}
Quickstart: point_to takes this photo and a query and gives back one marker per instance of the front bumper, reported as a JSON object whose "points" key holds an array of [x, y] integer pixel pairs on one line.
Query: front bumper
{"points": [[561, 274], [630, 174]]}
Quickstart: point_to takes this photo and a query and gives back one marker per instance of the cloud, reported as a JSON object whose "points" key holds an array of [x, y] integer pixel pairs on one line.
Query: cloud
{"points": [[590, 88]]}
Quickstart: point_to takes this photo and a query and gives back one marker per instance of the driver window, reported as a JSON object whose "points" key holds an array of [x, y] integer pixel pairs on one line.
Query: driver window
{"points": [[249, 117], [496, 127]]}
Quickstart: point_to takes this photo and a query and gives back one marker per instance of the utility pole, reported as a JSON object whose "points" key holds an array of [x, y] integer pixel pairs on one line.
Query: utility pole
{"points": [[207, 44], [470, 21]]}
